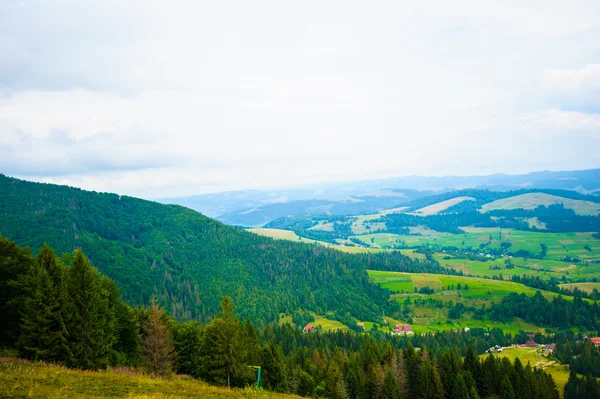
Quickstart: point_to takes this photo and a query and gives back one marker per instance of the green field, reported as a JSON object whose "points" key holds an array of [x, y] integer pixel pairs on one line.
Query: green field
{"points": [[20, 379], [586, 287], [559, 244], [281, 234], [531, 267], [480, 291], [559, 372], [533, 200], [441, 206]]}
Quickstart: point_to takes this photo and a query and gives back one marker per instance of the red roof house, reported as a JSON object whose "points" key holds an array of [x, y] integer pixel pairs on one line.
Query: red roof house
{"points": [[595, 341], [308, 328]]}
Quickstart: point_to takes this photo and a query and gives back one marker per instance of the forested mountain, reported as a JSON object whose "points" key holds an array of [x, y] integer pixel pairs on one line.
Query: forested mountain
{"points": [[190, 261]]}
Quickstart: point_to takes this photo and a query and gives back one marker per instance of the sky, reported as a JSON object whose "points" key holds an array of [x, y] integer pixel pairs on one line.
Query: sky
{"points": [[167, 98]]}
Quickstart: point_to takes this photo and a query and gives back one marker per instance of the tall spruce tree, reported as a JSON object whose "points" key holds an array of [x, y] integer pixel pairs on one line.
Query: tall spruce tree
{"points": [[390, 389], [158, 350], [221, 348], [44, 333], [428, 384], [91, 329], [15, 262]]}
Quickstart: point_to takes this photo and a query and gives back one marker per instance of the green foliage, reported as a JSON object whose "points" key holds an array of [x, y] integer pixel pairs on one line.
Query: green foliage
{"points": [[14, 262], [45, 309], [92, 324], [190, 261]]}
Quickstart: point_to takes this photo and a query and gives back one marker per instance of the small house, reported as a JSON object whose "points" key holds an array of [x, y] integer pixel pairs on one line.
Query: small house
{"points": [[308, 328]]}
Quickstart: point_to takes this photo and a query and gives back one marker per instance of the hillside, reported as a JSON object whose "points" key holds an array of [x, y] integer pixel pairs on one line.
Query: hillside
{"points": [[533, 200], [229, 206], [190, 261], [20, 378]]}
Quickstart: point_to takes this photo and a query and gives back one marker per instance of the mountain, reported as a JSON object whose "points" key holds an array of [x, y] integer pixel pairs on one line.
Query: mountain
{"points": [[256, 207], [189, 261]]}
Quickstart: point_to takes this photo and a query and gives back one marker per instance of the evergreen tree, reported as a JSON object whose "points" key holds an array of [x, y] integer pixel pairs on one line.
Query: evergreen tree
{"points": [[221, 349], [390, 389], [15, 262], [158, 351], [428, 384], [188, 341], [44, 333], [506, 389], [334, 383], [91, 328], [459, 389]]}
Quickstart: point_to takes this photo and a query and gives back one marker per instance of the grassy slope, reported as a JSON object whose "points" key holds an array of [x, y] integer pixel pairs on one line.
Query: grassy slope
{"points": [[20, 379], [559, 244], [481, 291], [441, 206], [558, 371], [533, 200], [289, 235]]}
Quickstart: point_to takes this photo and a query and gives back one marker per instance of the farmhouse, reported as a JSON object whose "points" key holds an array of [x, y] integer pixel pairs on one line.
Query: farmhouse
{"points": [[308, 328], [403, 329], [361, 324], [549, 349], [595, 341]]}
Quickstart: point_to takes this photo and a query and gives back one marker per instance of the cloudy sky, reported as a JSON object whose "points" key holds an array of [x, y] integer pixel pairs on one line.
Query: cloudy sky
{"points": [[170, 98]]}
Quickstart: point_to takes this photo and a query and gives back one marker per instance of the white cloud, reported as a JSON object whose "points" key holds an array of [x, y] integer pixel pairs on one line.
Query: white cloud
{"points": [[586, 78], [158, 99]]}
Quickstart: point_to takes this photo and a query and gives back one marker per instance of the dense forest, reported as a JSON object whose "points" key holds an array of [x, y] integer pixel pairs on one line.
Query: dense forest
{"points": [[188, 261], [62, 310]]}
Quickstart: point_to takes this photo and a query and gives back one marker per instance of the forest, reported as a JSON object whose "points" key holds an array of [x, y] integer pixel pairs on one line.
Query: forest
{"points": [[188, 261], [61, 309]]}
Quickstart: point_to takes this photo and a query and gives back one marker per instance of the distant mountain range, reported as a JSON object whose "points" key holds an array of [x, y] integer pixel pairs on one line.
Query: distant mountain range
{"points": [[256, 207]]}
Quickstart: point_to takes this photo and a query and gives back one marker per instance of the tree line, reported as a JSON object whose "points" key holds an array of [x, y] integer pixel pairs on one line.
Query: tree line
{"points": [[62, 310]]}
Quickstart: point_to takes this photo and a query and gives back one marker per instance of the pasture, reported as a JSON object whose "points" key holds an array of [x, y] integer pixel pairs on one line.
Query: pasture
{"points": [[559, 245], [21, 378], [559, 372], [473, 292], [533, 200], [441, 206]]}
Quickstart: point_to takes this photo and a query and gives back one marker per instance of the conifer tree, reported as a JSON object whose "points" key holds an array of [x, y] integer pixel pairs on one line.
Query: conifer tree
{"points": [[15, 262], [506, 389], [428, 384], [44, 333], [158, 351], [221, 348], [390, 389], [459, 389], [91, 330], [334, 383]]}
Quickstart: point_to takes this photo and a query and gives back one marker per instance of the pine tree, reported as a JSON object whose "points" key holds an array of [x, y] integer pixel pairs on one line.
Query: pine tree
{"points": [[15, 263], [91, 331], [390, 389], [158, 351], [459, 389], [188, 341], [221, 348], [44, 332], [334, 383], [428, 384], [506, 389]]}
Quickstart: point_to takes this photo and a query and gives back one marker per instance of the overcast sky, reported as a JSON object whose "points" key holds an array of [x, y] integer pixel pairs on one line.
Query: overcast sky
{"points": [[169, 98]]}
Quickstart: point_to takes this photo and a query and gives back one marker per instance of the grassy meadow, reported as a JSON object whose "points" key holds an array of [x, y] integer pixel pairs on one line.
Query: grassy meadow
{"points": [[20, 378], [558, 245], [559, 372], [533, 200], [480, 291]]}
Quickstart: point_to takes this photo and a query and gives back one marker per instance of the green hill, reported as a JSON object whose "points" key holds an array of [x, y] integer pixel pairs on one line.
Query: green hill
{"points": [[190, 261], [19, 378]]}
